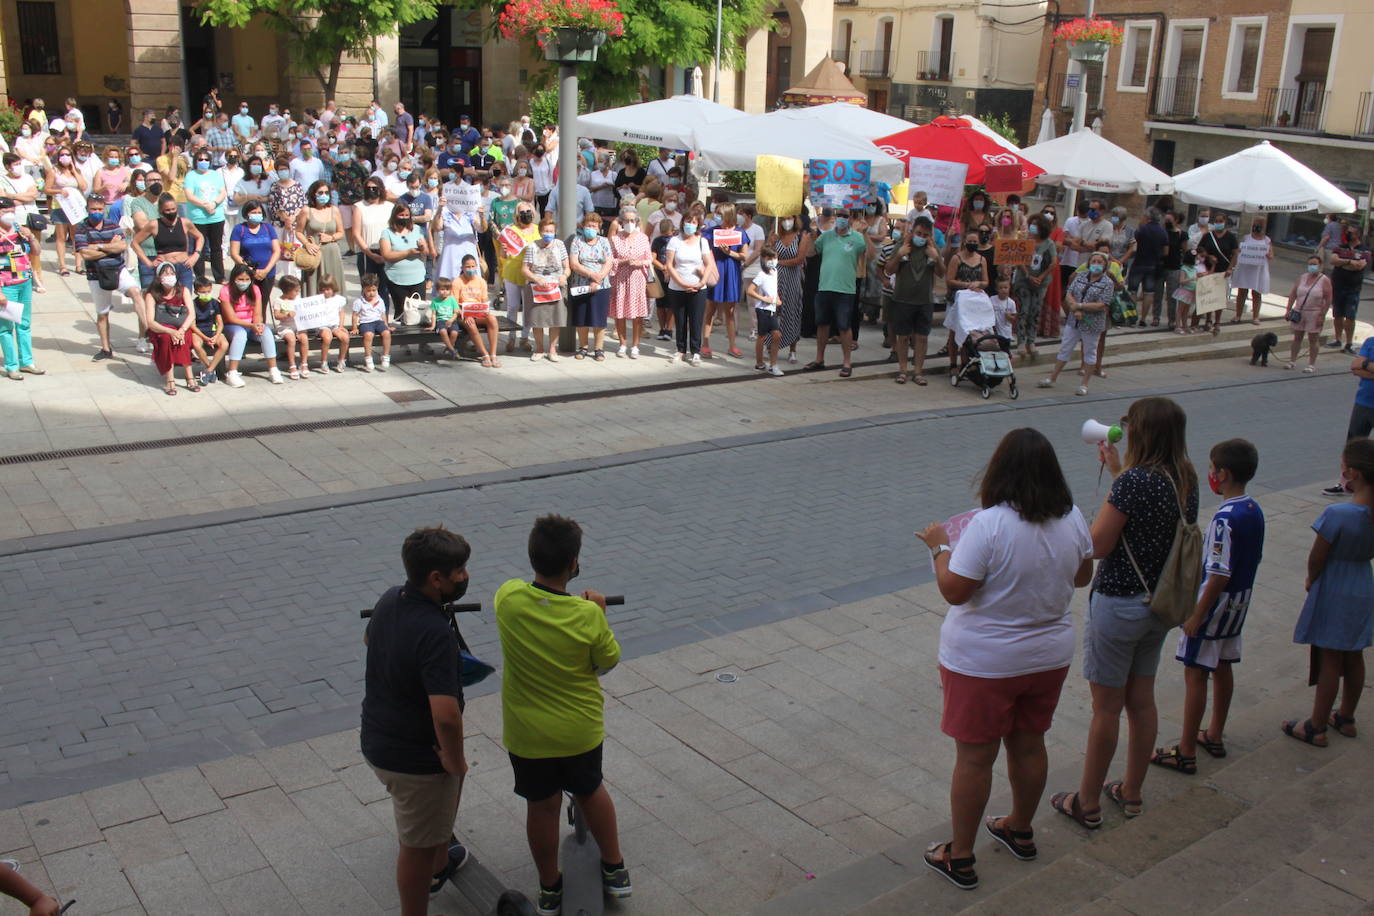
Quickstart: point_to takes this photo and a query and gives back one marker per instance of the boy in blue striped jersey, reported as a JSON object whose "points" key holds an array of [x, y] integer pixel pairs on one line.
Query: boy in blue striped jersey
{"points": [[1210, 642]]}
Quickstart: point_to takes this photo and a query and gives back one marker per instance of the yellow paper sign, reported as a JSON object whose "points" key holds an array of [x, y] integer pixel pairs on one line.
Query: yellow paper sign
{"points": [[779, 187], [899, 192]]}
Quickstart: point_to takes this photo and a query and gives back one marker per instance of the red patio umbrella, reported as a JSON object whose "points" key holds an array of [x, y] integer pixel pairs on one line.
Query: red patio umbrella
{"points": [[956, 140]]}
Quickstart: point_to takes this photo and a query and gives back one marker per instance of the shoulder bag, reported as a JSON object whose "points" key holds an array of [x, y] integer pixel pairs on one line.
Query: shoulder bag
{"points": [[1295, 314], [1175, 593]]}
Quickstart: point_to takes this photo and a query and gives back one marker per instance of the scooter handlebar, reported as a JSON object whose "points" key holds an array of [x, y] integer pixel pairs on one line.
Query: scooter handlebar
{"points": [[452, 608]]}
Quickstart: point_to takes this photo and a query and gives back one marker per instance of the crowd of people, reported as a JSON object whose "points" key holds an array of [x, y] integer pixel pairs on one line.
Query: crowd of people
{"points": [[382, 192]]}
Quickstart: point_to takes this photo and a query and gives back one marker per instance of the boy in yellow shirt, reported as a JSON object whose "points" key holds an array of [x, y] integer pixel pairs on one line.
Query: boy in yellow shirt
{"points": [[555, 645]]}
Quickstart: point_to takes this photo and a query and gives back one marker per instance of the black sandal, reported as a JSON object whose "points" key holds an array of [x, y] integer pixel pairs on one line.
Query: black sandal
{"points": [[1215, 748], [1308, 735], [1340, 723], [846, 372], [1170, 759], [958, 872], [813, 367], [1019, 843], [1131, 807], [1090, 820]]}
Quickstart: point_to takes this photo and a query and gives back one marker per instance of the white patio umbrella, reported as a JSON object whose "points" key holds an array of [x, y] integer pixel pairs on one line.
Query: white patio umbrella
{"points": [[1261, 179], [855, 119], [666, 122], [1046, 133], [1085, 161], [736, 145]]}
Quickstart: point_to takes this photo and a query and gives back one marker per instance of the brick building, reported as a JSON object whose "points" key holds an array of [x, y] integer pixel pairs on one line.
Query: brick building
{"points": [[1190, 84]]}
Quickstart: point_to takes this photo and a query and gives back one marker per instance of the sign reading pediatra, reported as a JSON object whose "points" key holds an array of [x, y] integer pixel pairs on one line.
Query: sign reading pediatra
{"points": [[942, 181], [317, 312], [463, 198]]}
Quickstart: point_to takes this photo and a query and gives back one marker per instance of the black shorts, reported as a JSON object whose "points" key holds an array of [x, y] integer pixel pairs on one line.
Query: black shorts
{"points": [[1145, 279], [1345, 303], [908, 318], [767, 321], [537, 778]]}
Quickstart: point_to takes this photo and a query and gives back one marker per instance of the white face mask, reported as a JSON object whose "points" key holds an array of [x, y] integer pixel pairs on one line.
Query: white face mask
{"points": [[671, 206], [787, 225], [168, 282]]}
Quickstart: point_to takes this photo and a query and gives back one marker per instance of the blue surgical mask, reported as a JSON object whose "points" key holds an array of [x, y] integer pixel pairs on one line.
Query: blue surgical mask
{"points": [[202, 165], [547, 236], [1093, 214], [977, 205], [588, 233], [919, 241], [1217, 227], [689, 228], [841, 224], [1095, 269], [1032, 230], [1314, 268], [432, 182], [255, 217], [283, 174], [896, 234], [1116, 220], [135, 160], [112, 162], [322, 198], [469, 271]]}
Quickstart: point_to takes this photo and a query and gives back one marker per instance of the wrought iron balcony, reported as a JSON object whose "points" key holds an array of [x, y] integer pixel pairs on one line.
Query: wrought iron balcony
{"points": [[928, 67], [876, 64], [1300, 109]]}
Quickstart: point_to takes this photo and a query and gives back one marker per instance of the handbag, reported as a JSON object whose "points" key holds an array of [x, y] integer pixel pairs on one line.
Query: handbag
{"points": [[711, 275], [654, 288], [107, 274], [1123, 309], [1295, 314], [305, 260], [414, 311], [37, 222], [1175, 593]]}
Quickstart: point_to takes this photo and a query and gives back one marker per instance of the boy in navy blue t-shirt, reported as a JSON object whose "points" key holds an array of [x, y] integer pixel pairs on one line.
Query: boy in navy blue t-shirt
{"points": [[1210, 642]]}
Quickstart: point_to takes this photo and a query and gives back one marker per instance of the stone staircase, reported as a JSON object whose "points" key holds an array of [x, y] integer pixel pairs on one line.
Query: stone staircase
{"points": [[1271, 829]]}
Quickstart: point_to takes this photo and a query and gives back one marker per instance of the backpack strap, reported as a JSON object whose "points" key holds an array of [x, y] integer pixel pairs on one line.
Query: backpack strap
{"points": [[1182, 516]]}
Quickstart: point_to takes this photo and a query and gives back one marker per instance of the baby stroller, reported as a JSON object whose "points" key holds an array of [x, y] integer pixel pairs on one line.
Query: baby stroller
{"points": [[984, 356]]}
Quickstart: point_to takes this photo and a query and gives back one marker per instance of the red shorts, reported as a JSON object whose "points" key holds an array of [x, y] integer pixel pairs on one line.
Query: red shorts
{"points": [[979, 710]]}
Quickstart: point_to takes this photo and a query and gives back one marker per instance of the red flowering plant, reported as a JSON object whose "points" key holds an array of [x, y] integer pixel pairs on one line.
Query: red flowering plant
{"points": [[541, 17], [1080, 29]]}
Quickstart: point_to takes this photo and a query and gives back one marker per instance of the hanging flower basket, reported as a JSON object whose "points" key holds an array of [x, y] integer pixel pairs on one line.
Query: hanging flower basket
{"points": [[567, 45], [1089, 39]]}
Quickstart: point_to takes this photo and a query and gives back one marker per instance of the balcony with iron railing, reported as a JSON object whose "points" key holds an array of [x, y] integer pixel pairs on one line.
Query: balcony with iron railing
{"points": [[1300, 109], [1176, 97], [876, 64], [1364, 124], [929, 67]]}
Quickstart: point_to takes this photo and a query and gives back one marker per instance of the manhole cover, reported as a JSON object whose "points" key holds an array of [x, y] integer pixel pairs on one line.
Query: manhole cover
{"points": [[405, 397], [725, 677]]}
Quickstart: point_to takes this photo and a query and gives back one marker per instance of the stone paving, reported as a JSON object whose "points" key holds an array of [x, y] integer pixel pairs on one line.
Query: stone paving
{"points": [[814, 778]]}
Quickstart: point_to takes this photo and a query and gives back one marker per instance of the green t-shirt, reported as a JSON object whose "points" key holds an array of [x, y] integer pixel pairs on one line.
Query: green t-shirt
{"points": [[554, 646], [444, 308], [839, 259], [148, 208]]}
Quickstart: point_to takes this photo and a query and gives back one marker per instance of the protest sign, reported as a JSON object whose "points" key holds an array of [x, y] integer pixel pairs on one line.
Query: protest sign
{"points": [[1210, 295], [462, 198], [779, 186], [317, 312], [1013, 252], [840, 183], [73, 205], [942, 181]]}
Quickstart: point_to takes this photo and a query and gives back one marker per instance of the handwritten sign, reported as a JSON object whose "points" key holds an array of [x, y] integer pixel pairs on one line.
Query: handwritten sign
{"points": [[1013, 252], [841, 183], [1210, 295], [778, 185], [462, 198], [73, 205], [317, 312], [942, 181]]}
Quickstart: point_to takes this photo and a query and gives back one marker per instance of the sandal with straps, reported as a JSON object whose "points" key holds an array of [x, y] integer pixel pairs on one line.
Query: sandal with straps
{"points": [[1215, 748], [1340, 723], [1303, 731], [1090, 820], [1129, 807], [1019, 843], [958, 872], [1170, 759]]}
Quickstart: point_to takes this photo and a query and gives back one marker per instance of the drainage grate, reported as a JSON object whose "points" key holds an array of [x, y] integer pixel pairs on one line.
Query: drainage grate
{"points": [[406, 397]]}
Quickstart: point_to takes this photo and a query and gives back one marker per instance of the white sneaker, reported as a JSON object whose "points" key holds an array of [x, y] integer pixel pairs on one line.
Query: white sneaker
{"points": [[775, 371], [696, 359], [536, 356], [144, 347], [367, 364], [634, 353], [274, 376], [233, 379], [623, 351], [340, 366], [552, 356], [677, 358], [1044, 383], [791, 357], [386, 363]]}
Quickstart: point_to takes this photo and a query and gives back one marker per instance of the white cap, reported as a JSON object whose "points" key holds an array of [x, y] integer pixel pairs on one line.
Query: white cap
{"points": [[57, 125]]}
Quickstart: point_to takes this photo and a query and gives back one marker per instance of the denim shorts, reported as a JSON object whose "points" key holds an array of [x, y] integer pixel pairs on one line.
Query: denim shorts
{"points": [[372, 327], [1121, 638], [834, 310]]}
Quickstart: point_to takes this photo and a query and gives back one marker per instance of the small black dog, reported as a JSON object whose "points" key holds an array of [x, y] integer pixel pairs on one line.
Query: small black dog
{"points": [[1260, 345]]}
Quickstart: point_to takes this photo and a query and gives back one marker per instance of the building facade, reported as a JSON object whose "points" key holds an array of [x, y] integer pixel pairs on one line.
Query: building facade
{"points": [[1191, 85], [918, 60], [156, 53]]}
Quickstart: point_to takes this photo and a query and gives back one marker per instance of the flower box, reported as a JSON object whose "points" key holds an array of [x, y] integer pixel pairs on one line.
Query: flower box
{"points": [[569, 45]]}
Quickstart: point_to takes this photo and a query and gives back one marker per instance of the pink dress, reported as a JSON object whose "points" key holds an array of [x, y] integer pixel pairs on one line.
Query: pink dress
{"points": [[629, 285], [1311, 297]]}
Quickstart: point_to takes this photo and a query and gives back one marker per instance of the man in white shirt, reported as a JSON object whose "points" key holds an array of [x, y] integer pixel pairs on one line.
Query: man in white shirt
{"points": [[1198, 229], [87, 162], [307, 168], [658, 168], [273, 124], [376, 117]]}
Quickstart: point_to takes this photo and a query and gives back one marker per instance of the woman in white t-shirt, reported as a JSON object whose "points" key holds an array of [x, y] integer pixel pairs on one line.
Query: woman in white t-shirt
{"points": [[1007, 641], [690, 268]]}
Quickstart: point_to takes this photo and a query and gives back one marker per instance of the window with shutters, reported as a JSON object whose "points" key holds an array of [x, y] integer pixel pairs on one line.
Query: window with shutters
{"points": [[1137, 55], [1244, 55]]}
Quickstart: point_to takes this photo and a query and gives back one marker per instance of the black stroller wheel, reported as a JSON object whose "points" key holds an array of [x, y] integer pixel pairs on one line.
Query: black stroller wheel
{"points": [[987, 392], [1013, 392]]}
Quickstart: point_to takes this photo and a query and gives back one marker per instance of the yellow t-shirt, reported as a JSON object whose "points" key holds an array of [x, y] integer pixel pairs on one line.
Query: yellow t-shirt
{"points": [[553, 645], [510, 266]]}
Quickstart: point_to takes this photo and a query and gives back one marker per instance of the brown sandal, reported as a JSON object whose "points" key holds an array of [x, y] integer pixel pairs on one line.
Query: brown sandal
{"points": [[1090, 820], [1129, 807]]}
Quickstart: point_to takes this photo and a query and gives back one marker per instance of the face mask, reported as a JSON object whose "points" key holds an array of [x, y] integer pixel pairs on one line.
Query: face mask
{"points": [[1217, 227], [919, 241], [674, 182], [896, 234], [141, 185], [25, 132], [371, 192], [255, 218], [841, 224], [242, 285], [588, 233], [112, 162], [306, 152], [391, 166], [671, 206], [627, 225], [1048, 216], [539, 154], [255, 169], [522, 172], [1006, 221], [404, 174], [432, 182], [1095, 269], [689, 228], [1202, 221], [168, 282], [469, 271], [65, 160], [1257, 230], [977, 205], [283, 174], [1313, 268], [1093, 214], [787, 225], [547, 236], [202, 165], [971, 244], [135, 160], [769, 264], [322, 198], [1214, 482], [7, 220], [504, 189], [1116, 220]]}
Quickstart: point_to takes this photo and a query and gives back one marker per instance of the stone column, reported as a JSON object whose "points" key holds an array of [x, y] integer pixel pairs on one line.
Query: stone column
{"points": [[155, 73], [755, 75]]}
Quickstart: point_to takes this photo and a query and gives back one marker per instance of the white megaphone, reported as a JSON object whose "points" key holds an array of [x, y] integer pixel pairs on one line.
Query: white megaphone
{"points": [[1095, 432]]}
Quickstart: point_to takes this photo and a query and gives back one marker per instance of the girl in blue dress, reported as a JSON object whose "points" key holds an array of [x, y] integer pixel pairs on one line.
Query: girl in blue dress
{"points": [[721, 298], [1338, 617]]}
